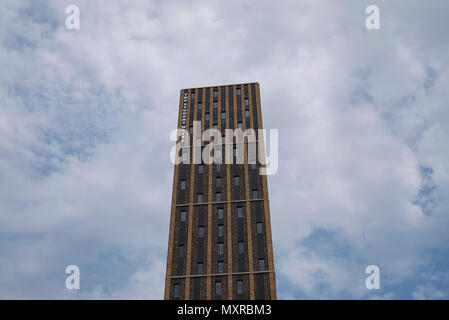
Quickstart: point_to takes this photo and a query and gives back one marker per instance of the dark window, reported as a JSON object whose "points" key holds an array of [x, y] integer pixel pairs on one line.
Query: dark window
{"points": [[200, 197], [261, 264], [220, 230], [218, 167], [183, 184], [236, 180], [200, 105], [218, 155], [190, 130], [259, 227], [192, 95], [239, 286], [200, 268], [215, 93], [200, 232], [239, 125], [218, 288], [241, 246], [215, 104], [247, 113], [218, 196], [200, 169], [220, 248], [215, 127], [253, 166], [239, 91], [185, 155], [176, 290], [218, 182], [223, 115], [254, 193], [220, 213], [183, 215], [181, 251], [246, 102], [239, 212], [220, 266], [207, 116]]}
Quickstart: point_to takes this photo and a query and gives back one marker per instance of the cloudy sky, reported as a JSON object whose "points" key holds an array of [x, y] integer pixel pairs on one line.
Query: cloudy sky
{"points": [[86, 115]]}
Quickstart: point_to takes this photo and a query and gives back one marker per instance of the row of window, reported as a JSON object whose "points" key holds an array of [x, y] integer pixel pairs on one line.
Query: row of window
{"points": [[218, 287], [220, 246], [223, 116], [220, 216], [199, 199], [220, 266], [238, 91], [254, 192]]}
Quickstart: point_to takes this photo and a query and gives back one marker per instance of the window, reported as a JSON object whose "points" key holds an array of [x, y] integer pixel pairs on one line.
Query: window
{"points": [[220, 213], [200, 268], [239, 91], [239, 212], [241, 246], [220, 230], [207, 116], [190, 130], [200, 197], [218, 167], [223, 140], [218, 288], [247, 113], [236, 180], [239, 286], [217, 182], [239, 125], [183, 215], [183, 184], [220, 248], [200, 169], [261, 264], [215, 104], [218, 155], [200, 232], [215, 126], [185, 155], [223, 115], [253, 166], [236, 152], [246, 102], [259, 227], [254, 193], [200, 105], [181, 251], [192, 95], [220, 266], [218, 196], [176, 290], [215, 93]]}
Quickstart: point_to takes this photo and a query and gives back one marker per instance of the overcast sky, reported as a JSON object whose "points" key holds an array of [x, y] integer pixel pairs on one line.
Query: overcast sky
{"points": [[86, 116]]}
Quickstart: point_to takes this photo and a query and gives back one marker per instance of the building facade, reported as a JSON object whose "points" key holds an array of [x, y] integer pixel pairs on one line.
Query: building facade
{"points": [[220, 244]]}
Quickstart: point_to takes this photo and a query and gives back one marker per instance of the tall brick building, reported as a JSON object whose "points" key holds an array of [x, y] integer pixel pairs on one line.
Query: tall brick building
{"points": [[220, 244]]}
